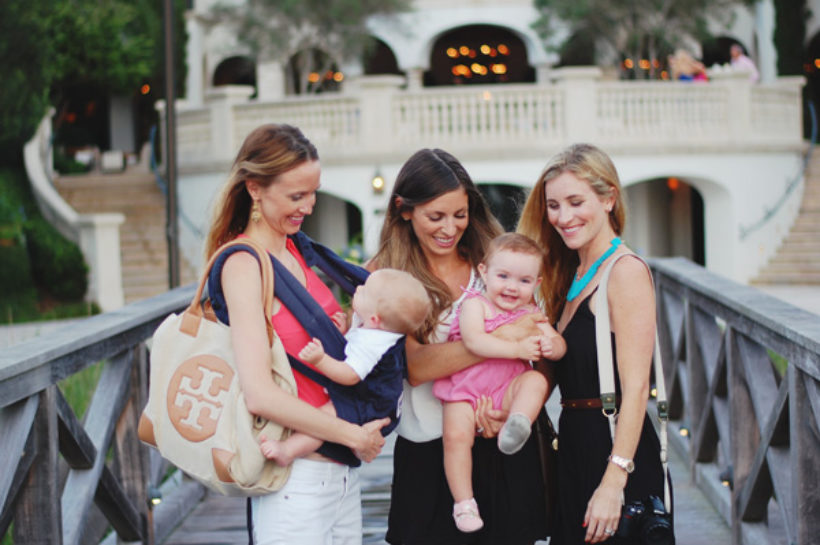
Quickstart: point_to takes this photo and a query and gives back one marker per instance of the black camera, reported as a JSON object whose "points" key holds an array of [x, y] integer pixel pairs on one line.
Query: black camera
{"points": [[647, 521]]}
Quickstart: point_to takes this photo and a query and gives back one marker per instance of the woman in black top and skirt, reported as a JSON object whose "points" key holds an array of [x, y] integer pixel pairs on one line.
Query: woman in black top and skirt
{"points": [[576, 212]]}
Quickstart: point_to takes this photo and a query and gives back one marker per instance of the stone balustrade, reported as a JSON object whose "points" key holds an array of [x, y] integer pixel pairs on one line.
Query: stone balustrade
{"points": [[375, 117]]}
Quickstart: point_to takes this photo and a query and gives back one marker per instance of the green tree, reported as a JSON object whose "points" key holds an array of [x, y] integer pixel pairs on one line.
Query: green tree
{"points": [[320, 33], [635, 28], [52, 49], [24, 94]]}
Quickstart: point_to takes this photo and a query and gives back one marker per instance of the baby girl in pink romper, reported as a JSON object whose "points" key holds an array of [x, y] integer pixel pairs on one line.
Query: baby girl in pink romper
{"points": [[511, 272]]}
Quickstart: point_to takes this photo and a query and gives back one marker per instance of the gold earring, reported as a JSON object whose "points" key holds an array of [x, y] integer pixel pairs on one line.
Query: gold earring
{"points": [[256, 213]]}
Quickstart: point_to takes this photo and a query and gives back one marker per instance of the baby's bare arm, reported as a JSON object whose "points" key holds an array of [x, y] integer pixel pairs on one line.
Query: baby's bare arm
{"points": [[337, 371]]}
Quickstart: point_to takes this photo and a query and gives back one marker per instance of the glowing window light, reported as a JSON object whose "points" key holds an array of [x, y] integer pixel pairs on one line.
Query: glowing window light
{"points": [[329, 74], [656, 63], [673, 184], [461, 70], [338, 77], [452, 52], [493, 52], [313, 77], [472, 54], [644, 64], [503, 49], [485, 49], [817, 63], [145, 89], [464, 50], [629, 64], [479, 69], [664, 74], [498, 68]]}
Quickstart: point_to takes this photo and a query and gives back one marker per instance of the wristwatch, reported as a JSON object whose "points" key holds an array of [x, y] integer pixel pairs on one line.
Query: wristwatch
{"points": [[624, 463]]}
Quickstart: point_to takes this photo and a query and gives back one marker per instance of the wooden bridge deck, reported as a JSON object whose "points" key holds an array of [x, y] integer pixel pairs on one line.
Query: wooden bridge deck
{"points": [[218, 520]]}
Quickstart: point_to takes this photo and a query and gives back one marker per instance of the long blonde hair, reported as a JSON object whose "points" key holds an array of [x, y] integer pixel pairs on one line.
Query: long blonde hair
{"points": [[267, 152], [587, 163], [426, 175]]}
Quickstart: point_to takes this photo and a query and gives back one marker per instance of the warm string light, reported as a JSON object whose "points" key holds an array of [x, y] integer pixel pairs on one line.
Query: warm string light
{"points": [[477, 68]]}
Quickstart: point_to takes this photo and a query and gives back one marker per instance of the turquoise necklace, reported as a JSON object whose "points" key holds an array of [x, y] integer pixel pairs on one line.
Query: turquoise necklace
{"points": [[578, 284]]}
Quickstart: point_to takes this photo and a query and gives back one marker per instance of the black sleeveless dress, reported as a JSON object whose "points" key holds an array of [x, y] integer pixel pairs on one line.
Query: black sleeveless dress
{"points": [[584, 442]]}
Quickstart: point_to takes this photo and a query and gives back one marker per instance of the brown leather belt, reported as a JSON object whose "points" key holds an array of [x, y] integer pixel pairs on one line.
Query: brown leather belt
{"points": [[589, 403]]}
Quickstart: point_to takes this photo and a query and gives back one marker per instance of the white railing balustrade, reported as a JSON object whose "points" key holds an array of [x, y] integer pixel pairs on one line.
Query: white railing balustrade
{"points": [[375, 117]]}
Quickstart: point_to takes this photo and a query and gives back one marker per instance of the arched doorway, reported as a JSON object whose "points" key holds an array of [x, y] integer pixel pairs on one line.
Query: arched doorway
{"points": [[235, 71], [313, 71], [505, 202], [380, 59], [665, 218], [336, 223], [716, 50], [478, 54]]}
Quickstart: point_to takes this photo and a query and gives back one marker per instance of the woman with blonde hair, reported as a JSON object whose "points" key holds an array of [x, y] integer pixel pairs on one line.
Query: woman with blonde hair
{"points": [[437, 228], [271, 190], [576, 213]]}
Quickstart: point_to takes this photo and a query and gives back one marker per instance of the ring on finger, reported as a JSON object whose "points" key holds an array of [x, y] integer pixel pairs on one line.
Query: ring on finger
{"points": [[479, 429], [609, 532]]}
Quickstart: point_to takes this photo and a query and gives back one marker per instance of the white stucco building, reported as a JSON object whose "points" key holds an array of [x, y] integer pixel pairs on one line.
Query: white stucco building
{"points": [[713, 171]]}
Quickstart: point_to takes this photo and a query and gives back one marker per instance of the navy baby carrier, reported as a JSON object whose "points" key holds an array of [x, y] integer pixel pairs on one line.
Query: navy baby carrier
{"points": [[383, 386]]}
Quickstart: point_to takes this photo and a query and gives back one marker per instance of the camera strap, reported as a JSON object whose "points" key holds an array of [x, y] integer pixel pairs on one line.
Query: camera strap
{"points": [[606, 373]]}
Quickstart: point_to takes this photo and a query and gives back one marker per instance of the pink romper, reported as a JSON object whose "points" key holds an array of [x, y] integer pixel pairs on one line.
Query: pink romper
{"points": [[489, 377]]}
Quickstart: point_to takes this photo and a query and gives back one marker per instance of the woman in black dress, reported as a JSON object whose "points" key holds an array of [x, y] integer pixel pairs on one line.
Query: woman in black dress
{"points": [[576, 212], [437, 227]]}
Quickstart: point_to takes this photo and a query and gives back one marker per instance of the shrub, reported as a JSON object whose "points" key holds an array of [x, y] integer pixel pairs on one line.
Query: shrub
{"points": [[18, 298], [57, 264]]}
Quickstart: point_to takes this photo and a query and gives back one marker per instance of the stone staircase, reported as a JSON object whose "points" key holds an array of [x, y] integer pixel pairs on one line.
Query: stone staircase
{"points": [[797, 261], [133, 193]]}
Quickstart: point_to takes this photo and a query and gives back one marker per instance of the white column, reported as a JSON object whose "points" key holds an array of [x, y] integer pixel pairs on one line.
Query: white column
{"points": [[578, 84], [767, 53], [372, 221], [739, 103], [100, 245], [543, 73], [415, 78], [221, 100], [376, 98], [270, 81], [194, 56]]}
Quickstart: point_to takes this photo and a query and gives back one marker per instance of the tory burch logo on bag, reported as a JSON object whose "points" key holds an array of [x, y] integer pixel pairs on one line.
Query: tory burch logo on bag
{"points": [[196, 396]]}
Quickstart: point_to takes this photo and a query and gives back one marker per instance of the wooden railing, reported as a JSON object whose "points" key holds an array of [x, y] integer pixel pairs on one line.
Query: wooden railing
{"points": [[743, 375], [64, 480]]}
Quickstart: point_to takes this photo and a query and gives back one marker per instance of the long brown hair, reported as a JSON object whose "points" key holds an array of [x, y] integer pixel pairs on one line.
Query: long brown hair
{"points": [[592, 165], [426, 175], [267, 152]]}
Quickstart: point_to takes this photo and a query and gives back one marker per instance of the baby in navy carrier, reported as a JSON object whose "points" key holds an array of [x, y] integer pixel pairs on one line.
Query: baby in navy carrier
{"points": [[388, 306]]}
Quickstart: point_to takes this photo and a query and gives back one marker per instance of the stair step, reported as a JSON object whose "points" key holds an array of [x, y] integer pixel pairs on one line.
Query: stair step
{"points": [[143, 243]]}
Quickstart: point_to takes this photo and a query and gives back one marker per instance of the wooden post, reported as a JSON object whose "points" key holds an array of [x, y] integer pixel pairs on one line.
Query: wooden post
{"points": [[804, 460], [745, 432], [37, 517], [131, 455]]}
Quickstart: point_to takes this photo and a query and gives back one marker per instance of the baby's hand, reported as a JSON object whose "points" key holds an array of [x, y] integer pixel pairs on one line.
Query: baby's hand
{"points": [[529, 349], [340, 321], [312, 352]]}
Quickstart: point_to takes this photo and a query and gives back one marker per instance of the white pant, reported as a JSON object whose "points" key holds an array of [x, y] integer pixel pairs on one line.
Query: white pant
{"points": [[319, 505]]}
